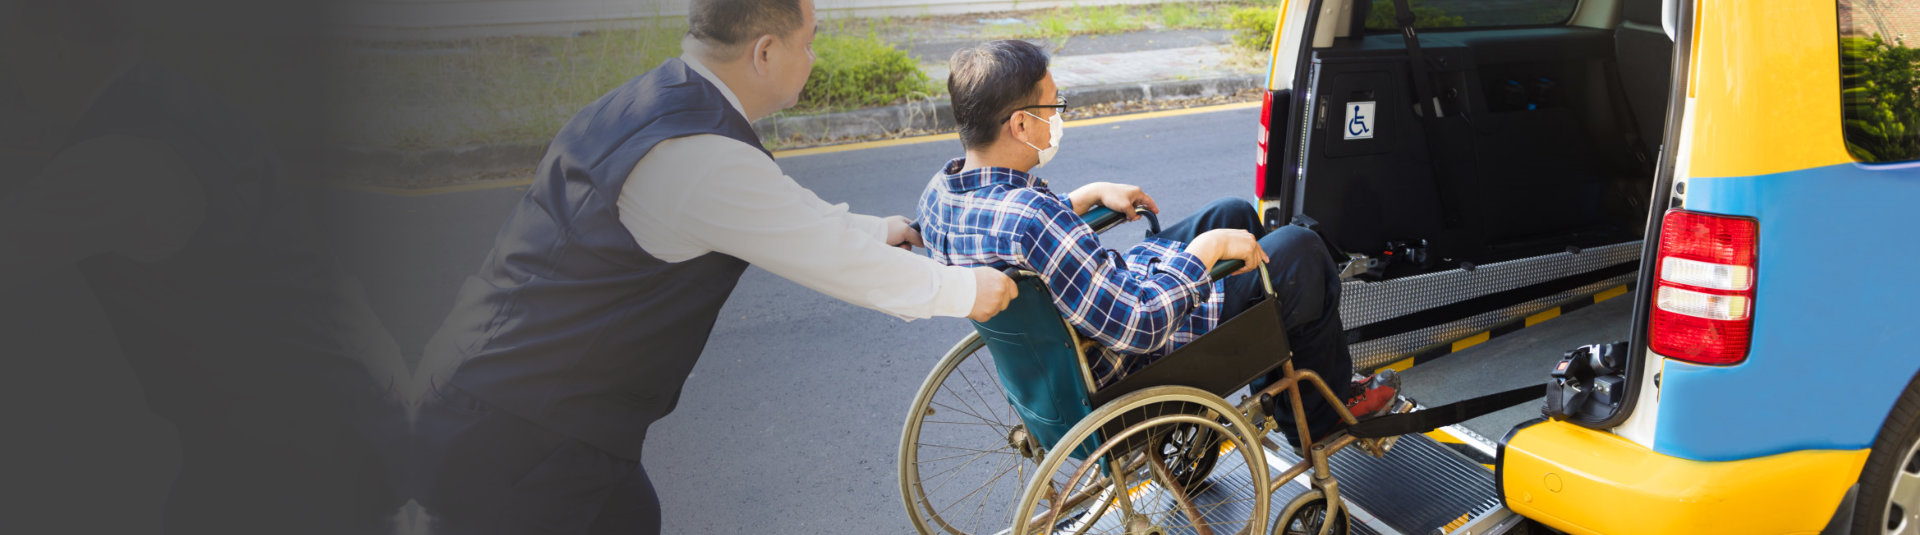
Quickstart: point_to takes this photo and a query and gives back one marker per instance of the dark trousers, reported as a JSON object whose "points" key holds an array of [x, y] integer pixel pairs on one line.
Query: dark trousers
{"points": [[1308, 285], [488, 471]]}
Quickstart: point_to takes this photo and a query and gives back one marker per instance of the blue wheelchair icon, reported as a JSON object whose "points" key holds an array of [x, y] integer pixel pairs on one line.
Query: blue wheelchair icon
{"points": [[1357, 126]]}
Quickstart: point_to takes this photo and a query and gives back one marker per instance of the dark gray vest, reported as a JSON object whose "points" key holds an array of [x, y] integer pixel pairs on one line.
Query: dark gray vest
{"points": [[570, 323]]}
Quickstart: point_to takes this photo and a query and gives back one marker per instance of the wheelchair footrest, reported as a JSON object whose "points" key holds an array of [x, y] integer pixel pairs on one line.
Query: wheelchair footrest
{"points": [[1378, 447]]}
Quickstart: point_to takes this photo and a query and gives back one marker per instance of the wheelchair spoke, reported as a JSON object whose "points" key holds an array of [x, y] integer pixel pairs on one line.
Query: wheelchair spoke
{"points": [[983, 399], [954, 469], [976, 489], [951, 457], [999, 472], [981, 424], [1002, 451], [983, 420]]}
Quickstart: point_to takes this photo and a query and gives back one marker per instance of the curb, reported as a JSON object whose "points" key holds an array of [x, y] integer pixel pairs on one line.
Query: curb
{"points": [[432, 166]]}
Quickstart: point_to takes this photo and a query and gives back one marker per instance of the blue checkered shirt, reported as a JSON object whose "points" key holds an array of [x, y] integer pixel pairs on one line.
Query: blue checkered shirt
{"points": [[1139, 306]]}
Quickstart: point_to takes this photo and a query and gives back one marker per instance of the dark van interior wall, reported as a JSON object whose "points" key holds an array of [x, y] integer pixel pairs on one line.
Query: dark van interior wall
{"points": [[1545, 140]]}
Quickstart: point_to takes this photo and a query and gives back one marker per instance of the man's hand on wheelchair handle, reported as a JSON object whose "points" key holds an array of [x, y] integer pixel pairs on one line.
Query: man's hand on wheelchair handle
{"points": [[1228, 244], [902, 233], [992, 290], [1120, 198]]}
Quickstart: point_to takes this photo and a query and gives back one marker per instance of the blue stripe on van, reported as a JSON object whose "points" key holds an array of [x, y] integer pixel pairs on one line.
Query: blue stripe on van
{"points": [[1835, 316]]}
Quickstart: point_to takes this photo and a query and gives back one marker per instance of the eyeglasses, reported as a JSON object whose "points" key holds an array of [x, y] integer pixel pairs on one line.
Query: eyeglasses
{"points": [[1060, 104]]}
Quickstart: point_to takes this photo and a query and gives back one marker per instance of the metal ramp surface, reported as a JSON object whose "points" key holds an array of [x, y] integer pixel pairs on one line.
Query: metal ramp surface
{"points": [[1423, 486]]}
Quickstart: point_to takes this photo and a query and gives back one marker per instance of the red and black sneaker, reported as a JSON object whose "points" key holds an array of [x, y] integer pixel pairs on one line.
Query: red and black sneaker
{"points": [[1372, 396]]}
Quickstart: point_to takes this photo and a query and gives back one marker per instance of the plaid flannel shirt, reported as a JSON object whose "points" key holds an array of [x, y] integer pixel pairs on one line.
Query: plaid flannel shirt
{"points": [[1138, 306]]}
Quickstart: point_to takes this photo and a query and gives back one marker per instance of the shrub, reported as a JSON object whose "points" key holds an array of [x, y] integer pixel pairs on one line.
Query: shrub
{"points": [[854, 72], [1880, 94], [1381, 16], [1253, 26]]}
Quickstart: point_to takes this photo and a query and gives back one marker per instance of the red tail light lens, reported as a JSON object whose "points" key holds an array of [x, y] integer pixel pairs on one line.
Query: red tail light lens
{"points": [[1703, 295], [1260, 168]]}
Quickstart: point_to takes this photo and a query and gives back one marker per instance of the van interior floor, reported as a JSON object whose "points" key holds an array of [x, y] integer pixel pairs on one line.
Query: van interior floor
{"points": [[1514, 360]]}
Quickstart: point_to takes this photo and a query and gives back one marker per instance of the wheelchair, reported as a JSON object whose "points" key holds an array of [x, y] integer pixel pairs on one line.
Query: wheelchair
{"points": [[1010, 433]]}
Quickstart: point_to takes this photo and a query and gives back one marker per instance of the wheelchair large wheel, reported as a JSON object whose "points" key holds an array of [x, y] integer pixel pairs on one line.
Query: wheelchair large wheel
{"points": [[1129, 485], [964, 454]]}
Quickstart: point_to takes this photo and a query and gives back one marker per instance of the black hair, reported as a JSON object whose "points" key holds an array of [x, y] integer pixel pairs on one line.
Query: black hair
{"points": [[732, 22], [987, 82]]}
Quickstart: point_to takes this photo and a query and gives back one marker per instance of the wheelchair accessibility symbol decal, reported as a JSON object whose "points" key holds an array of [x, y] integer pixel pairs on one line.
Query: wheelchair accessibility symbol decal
{"points": [[1359, 120]]}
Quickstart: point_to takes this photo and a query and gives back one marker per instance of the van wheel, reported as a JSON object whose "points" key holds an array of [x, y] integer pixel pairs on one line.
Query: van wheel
{"points": [[1889, 499]]}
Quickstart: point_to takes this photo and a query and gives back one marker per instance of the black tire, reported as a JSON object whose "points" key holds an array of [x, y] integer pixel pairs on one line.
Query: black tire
{"points": [[1307, 513], [1894, 452]]}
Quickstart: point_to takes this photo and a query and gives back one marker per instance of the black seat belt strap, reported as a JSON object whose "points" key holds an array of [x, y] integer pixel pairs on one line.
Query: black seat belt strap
{"points": [[1422, 421], [1422, 78]]}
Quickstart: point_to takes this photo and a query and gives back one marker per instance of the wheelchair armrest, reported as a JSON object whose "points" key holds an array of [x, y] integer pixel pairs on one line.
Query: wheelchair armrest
{"points": [[1101, 218], [1224, 267]]}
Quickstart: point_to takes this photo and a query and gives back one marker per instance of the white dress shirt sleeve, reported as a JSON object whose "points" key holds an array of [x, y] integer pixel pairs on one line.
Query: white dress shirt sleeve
{"points": [[699, 194]]}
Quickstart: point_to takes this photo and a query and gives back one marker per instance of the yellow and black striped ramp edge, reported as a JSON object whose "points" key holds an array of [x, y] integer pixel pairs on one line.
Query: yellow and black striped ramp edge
{"points": [[1442, 350], [1446, 438]]}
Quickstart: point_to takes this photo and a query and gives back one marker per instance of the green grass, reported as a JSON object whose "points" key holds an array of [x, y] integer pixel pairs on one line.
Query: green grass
{"points": [[1176, 15], [1109, 19]]}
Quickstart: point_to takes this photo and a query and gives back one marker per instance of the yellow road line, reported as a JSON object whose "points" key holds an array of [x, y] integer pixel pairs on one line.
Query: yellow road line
{"points": [[784, 154], [955, 137]]}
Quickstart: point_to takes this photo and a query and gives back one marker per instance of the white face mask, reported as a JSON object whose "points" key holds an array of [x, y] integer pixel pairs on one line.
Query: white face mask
{"points": [[1054, 127]]}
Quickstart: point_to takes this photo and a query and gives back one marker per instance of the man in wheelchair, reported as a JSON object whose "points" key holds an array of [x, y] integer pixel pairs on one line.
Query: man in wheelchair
{"points": [[984, 209]]}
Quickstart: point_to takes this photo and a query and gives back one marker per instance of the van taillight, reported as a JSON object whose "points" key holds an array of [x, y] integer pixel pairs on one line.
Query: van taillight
{"points": [[1703, 292], [1260, 168]]}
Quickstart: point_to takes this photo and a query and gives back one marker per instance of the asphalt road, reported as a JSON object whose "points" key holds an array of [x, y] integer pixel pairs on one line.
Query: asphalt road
{"points": [[791, 421]]}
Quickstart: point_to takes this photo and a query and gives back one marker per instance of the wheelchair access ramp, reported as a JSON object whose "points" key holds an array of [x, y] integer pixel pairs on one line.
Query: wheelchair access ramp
{"points": [[1437, 483]]}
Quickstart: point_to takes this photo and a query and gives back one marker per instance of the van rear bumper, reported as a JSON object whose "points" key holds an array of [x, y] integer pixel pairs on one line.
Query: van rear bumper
{"points": [[1592, 482]]}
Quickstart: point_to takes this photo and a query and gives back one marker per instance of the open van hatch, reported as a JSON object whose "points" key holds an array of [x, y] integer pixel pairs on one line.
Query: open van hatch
{"points": [[1527, 189]]}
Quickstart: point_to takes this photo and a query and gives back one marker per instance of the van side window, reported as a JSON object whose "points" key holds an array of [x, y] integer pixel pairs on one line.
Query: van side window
{"points": [[1472, 13], [1880, 79]]}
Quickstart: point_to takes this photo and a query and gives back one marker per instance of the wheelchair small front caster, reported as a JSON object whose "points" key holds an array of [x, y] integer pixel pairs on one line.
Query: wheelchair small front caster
{"points": [[1307, 515]]}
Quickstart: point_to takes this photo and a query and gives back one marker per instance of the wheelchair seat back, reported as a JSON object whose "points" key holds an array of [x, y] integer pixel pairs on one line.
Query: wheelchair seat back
{"points": [[1039, 363]]}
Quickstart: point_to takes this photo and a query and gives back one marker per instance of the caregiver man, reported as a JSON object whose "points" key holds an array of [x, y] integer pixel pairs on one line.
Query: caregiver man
{"points": [[602, 287]]}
